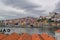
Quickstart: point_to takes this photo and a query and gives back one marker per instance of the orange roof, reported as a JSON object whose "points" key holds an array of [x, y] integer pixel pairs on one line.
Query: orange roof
{"points": [[13, 36], [20, 38], [2, 36], [25, 36], [36, 37], [47, 37], [58, 31]]}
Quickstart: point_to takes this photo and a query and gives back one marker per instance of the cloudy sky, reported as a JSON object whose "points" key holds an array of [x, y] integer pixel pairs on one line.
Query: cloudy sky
{"points": [[10, 9]]}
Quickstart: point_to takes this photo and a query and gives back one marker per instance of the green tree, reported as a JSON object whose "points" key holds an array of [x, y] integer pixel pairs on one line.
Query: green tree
{"points": [[49, 21]]}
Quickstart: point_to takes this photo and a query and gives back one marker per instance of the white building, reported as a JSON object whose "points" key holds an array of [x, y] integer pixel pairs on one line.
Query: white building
{"points": [[57, 34]]}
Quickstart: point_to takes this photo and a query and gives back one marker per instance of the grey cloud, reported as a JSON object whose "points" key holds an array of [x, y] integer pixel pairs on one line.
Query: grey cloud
{"points": [[20, 4], [23, 4], [57, 8], [10, 14], [37, 11]]}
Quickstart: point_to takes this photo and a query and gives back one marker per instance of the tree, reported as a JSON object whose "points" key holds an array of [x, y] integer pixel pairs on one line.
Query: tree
{"points": [[49, 21], [39, 20]]}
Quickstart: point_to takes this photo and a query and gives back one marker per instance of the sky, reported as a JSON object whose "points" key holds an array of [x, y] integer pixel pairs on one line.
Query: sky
{"points": [[11, 9]]}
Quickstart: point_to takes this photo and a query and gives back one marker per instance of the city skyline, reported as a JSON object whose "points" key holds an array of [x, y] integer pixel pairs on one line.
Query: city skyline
{"points": [[10, 9]]}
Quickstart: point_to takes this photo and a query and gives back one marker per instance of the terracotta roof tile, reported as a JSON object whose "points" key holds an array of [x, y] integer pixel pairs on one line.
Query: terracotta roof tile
{"points": [[36, 37], [57, 31], [47, 37], [13, 36], [2, 36], [25, 36]]}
